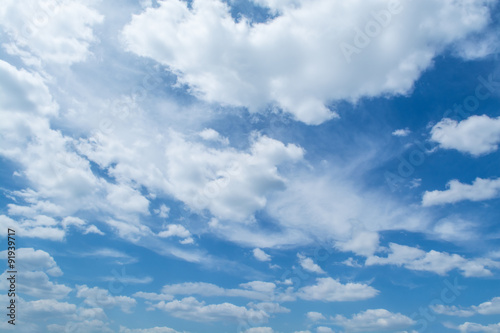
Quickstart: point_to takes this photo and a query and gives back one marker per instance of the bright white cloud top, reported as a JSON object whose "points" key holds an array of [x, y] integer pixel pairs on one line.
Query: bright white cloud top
{"points": [[373, 49]]}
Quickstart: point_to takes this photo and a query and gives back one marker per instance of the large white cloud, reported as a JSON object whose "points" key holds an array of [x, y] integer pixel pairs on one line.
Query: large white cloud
{"points": [[479, 190], [54, 31], [230, 183], [298, 59], [476, 135]]}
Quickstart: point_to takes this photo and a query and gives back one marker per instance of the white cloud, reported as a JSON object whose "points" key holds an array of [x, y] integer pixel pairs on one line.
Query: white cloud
{"points": [[110, 253], [330, 290], [85, 326], [191, 309], [35, 260], [487, 308], [261, 255], [379, 320], [25, 228], [473, 327], [479, 190], [37, 284], [81, 225], [269, 307], [342, 212], [231, 184], [258, 68], [259, 330], [258, 290], [34, 268], [309, 265], [22, 91], [98, 297], [153, 296], [451, 310], [163, 211], [363, 243], [401, 132], [476, 135], [210, 134], [127, 279], [478, 47], [148, 330], [127, 199], [324, 329], [454, 228], [54, 31], [48, 307], [315, 316], [130, 231], [175, 230], [351, 262], [433, 261]]}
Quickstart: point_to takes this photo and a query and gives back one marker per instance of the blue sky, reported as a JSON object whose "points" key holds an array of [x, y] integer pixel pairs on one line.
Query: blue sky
{"points": [[257, 166]]}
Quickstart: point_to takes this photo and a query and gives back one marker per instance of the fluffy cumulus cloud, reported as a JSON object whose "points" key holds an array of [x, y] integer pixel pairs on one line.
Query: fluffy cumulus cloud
{"points": [[231, 184], [330, 290], [433, 261], [35, 260], [53, 31], [37, 269], [370, 49], [479, 190], [376, 320], [476, 135]]}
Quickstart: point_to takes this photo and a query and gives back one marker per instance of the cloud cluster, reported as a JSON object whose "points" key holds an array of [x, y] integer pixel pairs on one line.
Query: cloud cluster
{"points": [[53, 31], [296, 59], [476, 135]]}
